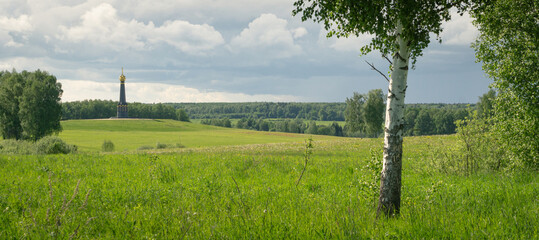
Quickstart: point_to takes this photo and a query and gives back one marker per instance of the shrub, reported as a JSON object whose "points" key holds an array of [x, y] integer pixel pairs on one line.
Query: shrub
{"points": [[144, 147], [161, 145], [179, 145], [477, 149], [11, 146], [108, 146], [53, 145], [164, 145]]}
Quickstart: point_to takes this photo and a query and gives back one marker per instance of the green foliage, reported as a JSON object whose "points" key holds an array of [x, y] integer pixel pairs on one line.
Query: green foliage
{"points": [[477, 149], [225, 122], [423, 124], [11, 87], [54, 145], [182, 115], [144, 147], [365, 113], [12, 146], [46, 145], [253, 116], [30, 106], [374, 110], [433, 119], [354, 113], [485, 106], [508, 47], [107, 146], [248, 192], [370, 183], [264, 110], [164, 146], [98, 109], [161, 146], [306, 157]]}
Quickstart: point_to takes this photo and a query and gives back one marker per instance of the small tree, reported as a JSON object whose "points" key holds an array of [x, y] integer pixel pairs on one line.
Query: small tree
{"points": [[373, 112], [354, 113], [181, 115]]}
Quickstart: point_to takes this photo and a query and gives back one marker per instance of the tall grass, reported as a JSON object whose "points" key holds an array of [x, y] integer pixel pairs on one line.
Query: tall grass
{"points": [[249, 191]]}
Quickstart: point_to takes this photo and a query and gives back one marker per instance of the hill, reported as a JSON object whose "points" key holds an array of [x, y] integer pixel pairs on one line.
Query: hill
{"points": [[131, 134]]}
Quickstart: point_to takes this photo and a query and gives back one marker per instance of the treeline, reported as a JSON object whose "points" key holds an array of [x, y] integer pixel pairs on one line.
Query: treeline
{"points": [[264, 110], [420, 119], [434, 119], [279, 125], [95, 109]]}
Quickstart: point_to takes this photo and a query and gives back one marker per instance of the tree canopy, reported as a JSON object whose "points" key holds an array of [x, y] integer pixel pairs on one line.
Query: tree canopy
{"points": [[30, 104], [508, 47]]}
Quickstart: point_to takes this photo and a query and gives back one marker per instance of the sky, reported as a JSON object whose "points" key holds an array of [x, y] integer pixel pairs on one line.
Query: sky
{"points": [[218, 51]]}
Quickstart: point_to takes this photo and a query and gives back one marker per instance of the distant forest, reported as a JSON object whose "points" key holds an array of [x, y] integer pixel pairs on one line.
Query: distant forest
{"points": [[421, 119]]}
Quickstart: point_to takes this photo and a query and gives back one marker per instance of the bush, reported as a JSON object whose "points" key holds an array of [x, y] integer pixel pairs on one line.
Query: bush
{"points": [[53, 145], [161, 146], [108, 146], [144, 147], [11, 146], [477, 149]]}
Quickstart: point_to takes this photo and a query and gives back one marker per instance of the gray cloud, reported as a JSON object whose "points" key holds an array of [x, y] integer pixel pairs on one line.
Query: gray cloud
{"points": [[242, 50]]}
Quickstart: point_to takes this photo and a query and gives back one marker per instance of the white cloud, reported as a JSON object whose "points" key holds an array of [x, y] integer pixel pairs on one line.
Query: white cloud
{"points": [[299, 32], [77, 90], [102, 26], [459, 30], [270, 33], [187, 37], [352, 43], [20, 25]]}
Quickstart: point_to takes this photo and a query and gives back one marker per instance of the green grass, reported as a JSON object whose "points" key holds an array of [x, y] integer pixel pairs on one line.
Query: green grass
{"points": [[249, 191], [128, 135]]}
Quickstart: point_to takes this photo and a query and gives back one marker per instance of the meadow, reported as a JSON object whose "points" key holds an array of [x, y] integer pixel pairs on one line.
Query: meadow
{"points": [[129, 135], [223, 189]]}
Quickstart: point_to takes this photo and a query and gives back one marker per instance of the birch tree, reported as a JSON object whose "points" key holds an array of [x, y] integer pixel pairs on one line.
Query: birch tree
{"points": [[401, 30]]}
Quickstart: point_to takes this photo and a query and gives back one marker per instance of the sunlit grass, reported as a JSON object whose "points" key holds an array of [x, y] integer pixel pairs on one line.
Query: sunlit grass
{"points": [[128, 135], [249, 191]]}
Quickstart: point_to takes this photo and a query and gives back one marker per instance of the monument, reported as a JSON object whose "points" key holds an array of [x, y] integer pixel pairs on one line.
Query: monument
{"points": [[122, 105]]}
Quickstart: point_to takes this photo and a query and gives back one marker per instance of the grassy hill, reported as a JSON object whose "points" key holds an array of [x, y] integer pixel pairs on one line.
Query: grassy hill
{"points": [[130, 134]]}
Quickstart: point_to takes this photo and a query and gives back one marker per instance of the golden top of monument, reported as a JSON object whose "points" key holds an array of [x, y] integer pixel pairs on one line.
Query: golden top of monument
{"points": [[122, 77]]}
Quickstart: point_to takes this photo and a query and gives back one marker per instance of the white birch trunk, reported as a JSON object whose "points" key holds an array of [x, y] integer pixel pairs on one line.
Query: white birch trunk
{"points": [[390, 183]]}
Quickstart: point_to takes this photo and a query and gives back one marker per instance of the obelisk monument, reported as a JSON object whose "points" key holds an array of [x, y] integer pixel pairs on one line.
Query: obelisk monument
{"points": [[122, 105]]}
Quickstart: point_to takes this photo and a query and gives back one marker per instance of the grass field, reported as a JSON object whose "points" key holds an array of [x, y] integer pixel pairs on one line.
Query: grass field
{"points": [[248, 191], [128, 135]]}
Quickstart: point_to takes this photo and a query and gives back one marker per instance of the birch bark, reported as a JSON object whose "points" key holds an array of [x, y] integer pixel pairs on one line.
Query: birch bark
{"points": [[390, 183]]}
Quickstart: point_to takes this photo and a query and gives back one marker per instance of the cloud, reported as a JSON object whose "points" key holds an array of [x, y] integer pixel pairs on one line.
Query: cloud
{"points": [[9, 27], [101, 26], [78, 90], [269, 33], [352, 43], [459, 30]]}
